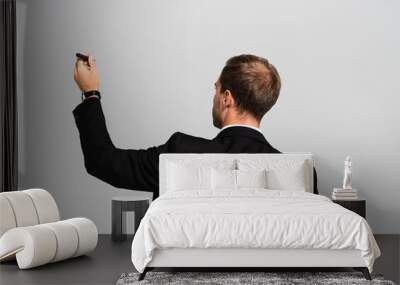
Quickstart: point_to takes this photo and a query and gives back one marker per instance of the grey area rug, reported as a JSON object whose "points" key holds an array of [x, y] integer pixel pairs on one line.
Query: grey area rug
{"points": [[225, 278]]}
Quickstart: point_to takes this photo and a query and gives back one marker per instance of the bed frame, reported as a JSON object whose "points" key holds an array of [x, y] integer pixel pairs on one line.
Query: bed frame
{"points": [[248, 259]]}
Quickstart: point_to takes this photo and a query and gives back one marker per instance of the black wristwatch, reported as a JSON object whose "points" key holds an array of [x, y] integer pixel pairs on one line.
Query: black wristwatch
{"points": [[90, 93]]}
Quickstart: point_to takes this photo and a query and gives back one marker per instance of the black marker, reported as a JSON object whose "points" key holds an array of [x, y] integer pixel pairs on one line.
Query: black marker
{"points": [[82, 56]]}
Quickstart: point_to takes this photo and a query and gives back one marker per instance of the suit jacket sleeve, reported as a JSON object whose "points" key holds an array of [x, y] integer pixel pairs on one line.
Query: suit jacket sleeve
{"points": [[135, 169]]}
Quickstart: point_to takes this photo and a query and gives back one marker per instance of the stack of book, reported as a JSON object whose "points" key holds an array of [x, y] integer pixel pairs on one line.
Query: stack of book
{"points": [[344, 194]]}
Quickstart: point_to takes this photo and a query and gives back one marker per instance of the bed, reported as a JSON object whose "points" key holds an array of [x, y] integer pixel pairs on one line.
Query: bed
{"points": [[247, 210]]}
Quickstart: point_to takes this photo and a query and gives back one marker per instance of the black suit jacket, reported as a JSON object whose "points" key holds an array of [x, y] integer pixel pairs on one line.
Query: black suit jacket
{"points": [[137, 169]]}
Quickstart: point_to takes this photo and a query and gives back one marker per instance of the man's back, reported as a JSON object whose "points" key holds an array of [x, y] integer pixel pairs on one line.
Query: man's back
{"points": [[138, 169], [233, 139]]}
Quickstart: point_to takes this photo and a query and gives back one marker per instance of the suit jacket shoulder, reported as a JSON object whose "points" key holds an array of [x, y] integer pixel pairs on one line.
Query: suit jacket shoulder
{"points": [[185, 143]]}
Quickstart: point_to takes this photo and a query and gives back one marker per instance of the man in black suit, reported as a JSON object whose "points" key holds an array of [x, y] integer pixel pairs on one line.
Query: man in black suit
{"points": [[247, 88]]}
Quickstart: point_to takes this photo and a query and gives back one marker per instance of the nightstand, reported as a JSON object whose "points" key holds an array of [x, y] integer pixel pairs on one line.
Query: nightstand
{"points": [[121, 204], [357, 206]]}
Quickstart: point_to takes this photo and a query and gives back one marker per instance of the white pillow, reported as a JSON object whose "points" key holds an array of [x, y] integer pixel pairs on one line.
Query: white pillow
{"points": [[223, 179], [189, 174], [251, 178], [282, 174], [229, 179], [288, 177], [187, 177]]}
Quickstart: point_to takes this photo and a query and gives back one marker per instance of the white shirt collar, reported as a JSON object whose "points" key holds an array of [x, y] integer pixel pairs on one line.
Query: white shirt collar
{"points": [[242, 125]]}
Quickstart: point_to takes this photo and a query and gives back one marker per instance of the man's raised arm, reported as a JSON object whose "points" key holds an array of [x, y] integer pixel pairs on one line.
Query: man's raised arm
{"points": [[122, 168]]}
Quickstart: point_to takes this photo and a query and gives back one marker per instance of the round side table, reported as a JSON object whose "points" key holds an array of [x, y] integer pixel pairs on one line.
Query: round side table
{"points": [[120, 204]]}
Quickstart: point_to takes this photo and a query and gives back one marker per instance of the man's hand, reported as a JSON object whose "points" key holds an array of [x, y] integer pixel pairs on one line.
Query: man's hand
{"points": [[85, 74]]}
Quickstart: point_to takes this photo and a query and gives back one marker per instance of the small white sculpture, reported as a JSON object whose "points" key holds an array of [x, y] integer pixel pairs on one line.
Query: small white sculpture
{"points": [[347, 173]]}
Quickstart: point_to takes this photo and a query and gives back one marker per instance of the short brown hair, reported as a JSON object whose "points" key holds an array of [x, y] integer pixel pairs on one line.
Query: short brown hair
{"points": [[253, 82]]}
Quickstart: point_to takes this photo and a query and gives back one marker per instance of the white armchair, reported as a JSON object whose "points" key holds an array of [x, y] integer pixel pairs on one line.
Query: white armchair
{"points": [[31, 231]]}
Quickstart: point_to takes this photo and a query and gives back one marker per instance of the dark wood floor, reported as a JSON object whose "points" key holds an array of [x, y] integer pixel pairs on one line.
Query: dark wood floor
{"points": [[110, 259]]}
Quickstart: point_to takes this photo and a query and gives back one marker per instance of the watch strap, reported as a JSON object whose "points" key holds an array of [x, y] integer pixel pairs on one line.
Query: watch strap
{"points": [[90, 93]]}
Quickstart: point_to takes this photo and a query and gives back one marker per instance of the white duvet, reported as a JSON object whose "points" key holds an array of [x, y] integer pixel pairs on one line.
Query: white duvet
{"points": [[251, 218]]}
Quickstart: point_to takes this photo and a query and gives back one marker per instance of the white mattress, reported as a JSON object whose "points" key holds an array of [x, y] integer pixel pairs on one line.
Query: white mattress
{"points": [[252, 218]]}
